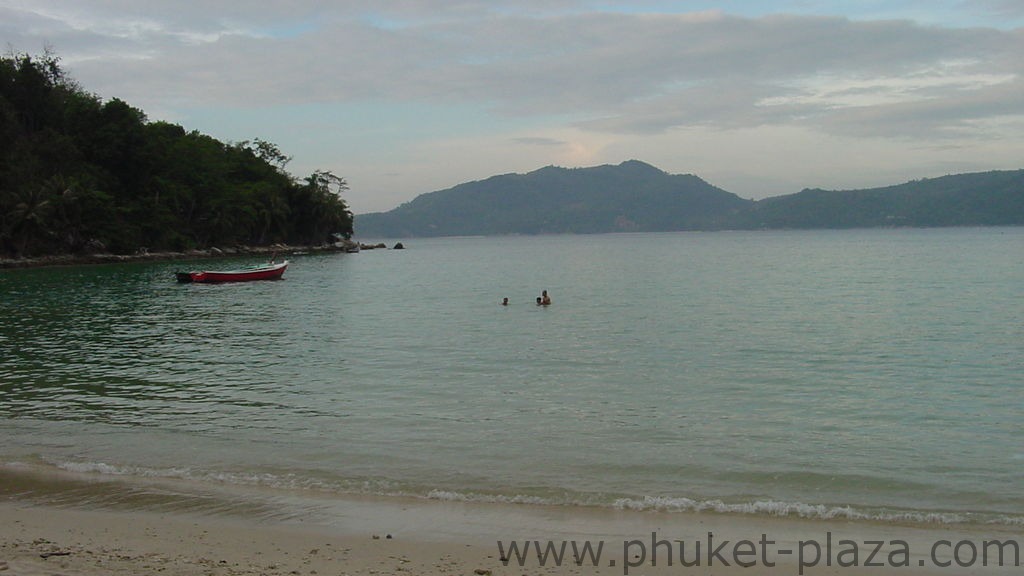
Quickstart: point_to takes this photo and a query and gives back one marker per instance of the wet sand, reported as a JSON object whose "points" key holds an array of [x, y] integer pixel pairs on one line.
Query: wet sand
{"points": [[428, 537]]}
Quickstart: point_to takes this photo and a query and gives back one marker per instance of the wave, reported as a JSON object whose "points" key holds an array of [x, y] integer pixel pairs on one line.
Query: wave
{"points": [[281, 481], [757, 508], [386, 488], [792, 509], [452, 496]]}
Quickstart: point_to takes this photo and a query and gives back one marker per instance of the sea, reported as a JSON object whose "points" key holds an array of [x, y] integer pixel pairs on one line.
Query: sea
{"points": [[856, 374]]}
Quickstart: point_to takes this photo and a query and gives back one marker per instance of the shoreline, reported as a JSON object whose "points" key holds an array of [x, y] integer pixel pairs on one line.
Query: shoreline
{"points": [[284, 497], [82, 524], [146, 256], [446, 539]]}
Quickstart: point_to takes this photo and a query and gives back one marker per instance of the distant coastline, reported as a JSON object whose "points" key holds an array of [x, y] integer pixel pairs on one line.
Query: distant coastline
{"points": [[636, 197]]}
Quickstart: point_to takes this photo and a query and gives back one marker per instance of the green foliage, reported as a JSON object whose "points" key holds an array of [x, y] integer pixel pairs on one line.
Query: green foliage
{"points": [[78, 174]]}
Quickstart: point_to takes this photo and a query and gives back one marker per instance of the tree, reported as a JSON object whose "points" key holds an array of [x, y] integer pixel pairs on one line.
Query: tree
{"points": [[30, 217], [76, 171], [268, 152], [321, 211]]}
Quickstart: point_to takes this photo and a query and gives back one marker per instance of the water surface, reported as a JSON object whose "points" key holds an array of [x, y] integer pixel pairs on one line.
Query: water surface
{"points": [[854, 373]]}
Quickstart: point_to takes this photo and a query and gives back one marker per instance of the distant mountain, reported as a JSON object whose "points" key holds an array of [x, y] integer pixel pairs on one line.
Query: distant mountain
{"points": [[637, 197], [630, 197], [979, 199]]}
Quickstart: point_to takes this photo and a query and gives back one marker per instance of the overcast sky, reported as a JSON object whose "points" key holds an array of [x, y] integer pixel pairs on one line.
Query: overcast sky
{"points": [[410, 96]]}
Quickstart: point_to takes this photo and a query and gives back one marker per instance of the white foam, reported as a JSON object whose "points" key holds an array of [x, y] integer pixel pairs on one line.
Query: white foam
{"points": [[797, 509], [450, 496], [98, 468], [104, 469], [780, 508], [282, 481]]}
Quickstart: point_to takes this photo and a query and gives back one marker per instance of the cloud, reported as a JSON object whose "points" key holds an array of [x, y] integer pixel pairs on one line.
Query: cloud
{"points": [[997, 9], [544, 80], [608, 71], [952, 114], [539, 141]]}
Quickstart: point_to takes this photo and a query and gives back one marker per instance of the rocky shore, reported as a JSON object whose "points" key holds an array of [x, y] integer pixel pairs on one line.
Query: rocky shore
{"points": [[143, 255]]}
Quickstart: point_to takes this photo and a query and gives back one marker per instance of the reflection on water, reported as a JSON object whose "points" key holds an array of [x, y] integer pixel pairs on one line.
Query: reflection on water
{"points": [[122, 345]]}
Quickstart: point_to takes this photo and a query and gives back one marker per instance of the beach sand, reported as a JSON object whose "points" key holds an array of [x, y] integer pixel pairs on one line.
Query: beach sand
{"points": [[429, 537]]}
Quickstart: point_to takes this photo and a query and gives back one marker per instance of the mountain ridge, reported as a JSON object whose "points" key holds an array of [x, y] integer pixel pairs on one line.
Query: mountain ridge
{"points": [[634, 196]]}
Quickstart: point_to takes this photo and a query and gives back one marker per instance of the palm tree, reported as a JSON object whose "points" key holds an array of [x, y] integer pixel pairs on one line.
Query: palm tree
{"points": [[31, 216]]}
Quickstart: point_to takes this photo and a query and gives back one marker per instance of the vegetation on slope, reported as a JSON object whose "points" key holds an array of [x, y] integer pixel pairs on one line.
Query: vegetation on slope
{"points": [[980, 199], [81, 175], [630, 197], [634, 196]]}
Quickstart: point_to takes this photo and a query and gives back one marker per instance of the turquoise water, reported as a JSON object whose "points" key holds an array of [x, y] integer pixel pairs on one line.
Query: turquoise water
{"points": [[861, 374]]}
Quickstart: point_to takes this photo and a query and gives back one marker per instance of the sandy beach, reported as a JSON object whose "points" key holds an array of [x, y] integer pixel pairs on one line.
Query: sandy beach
{"points": [[38, 540], [444, 538]]}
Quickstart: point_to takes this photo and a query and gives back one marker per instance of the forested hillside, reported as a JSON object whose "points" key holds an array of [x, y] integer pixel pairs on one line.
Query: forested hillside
{"points": [[630, 197], [979, 199], [636, 197], [79, 174]]}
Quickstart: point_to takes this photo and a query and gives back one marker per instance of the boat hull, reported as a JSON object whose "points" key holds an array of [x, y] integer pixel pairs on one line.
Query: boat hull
{"points": [[269, 272]]}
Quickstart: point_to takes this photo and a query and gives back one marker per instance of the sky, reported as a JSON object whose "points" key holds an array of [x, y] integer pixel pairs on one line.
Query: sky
{"points": [[403, 97]]}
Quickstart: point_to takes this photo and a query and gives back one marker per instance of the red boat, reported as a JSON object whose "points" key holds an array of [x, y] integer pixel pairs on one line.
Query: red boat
{"points": [[259, 272]]}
